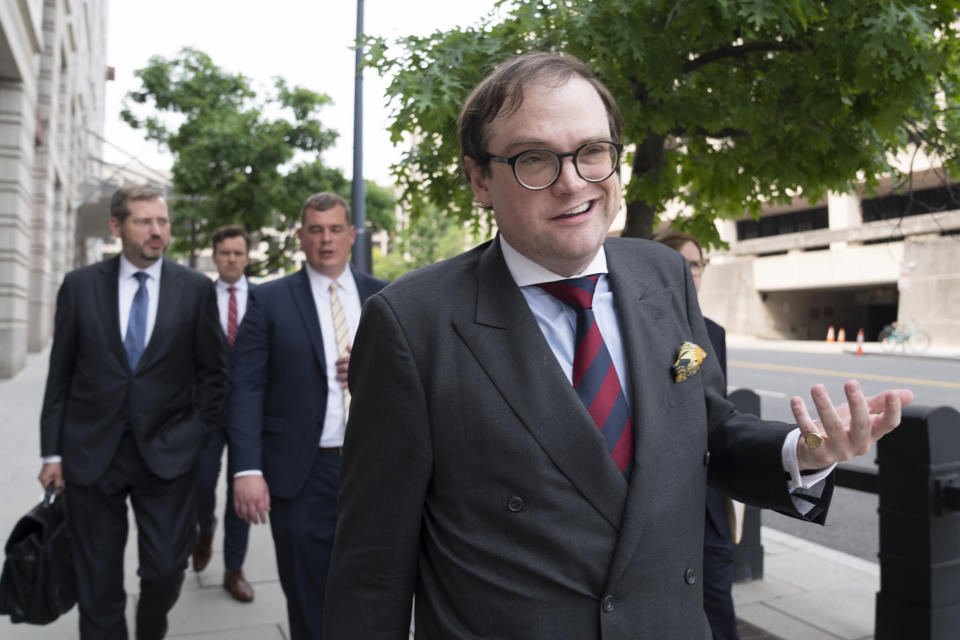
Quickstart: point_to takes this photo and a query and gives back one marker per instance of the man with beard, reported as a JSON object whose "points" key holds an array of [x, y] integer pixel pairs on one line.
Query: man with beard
{"points": [[135, 385]]}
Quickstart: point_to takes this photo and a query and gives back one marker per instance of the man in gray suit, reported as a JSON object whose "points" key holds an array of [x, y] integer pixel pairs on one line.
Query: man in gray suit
{"points": [[534, 419]]}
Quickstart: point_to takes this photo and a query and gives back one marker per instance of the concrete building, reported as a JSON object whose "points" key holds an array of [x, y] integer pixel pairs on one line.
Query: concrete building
{"points": [[52, 74], [856, 261]]}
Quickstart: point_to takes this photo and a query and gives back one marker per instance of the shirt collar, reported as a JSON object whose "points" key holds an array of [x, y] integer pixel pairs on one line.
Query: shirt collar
{"points": [[127, 268], [322, 282], [239, 285], [526, 272]]}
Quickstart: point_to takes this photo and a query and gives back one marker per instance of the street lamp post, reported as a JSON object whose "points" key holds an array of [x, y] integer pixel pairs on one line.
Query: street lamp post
{"points": [[361, 249]]}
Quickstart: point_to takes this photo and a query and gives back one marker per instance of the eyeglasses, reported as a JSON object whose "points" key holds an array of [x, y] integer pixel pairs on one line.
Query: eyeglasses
{"points": [[537, 169], [144, 223]]}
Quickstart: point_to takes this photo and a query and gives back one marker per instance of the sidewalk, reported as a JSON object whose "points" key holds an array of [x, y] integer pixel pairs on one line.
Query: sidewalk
{"points": [[942, 351], [809, 592]]}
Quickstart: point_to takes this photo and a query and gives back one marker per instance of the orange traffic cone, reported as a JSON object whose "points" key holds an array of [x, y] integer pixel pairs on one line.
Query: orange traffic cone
{"points": [[841, 335], [860, 342], [830, 334]]}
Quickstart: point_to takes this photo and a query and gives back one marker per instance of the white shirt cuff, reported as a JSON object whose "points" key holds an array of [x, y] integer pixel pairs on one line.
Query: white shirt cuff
{"points": [[52, 459], [248, 472], [788, 457]]}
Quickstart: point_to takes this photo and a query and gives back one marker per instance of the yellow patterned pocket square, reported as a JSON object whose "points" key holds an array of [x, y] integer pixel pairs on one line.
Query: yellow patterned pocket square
{"points": [[688, 361]]}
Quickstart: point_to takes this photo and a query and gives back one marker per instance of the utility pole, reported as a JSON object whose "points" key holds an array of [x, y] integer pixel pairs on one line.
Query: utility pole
{"points": [[361, 248]]}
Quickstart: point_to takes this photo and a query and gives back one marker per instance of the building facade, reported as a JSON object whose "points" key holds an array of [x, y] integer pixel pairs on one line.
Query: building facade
{"points": [[856, 261], [52, 74]]}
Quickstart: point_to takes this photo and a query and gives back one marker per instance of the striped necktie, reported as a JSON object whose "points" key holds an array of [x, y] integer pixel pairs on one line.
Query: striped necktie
{"points": [[595, 378], [232, 315], [342, 332]]}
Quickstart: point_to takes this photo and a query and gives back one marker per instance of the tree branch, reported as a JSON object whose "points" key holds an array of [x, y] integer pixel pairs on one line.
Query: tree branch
{"points": [[737, 52], [727, 132]]}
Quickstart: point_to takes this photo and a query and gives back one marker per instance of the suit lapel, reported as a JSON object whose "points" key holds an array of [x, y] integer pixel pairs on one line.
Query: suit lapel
{"points": [[366, 286], [307, 307], [108, 303], [640, 308], [507, 342]]}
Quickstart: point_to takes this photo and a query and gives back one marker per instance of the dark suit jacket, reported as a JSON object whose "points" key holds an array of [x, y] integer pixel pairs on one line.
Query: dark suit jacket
{"points": [[279, 382], [473, 475], [231, 359], [170, 401], [719, 533]]}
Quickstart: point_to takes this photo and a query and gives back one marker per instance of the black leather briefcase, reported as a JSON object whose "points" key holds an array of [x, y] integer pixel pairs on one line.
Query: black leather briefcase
{"points": [[38, 582]]}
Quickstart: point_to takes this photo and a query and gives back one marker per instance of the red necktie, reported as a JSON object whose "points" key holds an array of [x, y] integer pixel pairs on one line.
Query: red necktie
{"points": [[595, 378], [232, 316]]}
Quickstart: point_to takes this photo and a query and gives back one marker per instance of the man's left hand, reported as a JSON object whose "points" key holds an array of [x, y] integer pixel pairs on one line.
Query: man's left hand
{"points": [[342, 365], [849, 429]]}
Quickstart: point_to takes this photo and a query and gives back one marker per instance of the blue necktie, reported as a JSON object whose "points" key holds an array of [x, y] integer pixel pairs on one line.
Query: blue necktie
{"points": [[135, 339]]}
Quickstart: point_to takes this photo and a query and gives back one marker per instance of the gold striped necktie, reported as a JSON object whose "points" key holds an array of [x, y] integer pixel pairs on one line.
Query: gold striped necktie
{"points": [[342, 332]]}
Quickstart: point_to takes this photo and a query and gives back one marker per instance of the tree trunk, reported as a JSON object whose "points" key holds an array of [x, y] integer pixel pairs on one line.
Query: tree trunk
{"points": [[647, 164], [639, 220]]}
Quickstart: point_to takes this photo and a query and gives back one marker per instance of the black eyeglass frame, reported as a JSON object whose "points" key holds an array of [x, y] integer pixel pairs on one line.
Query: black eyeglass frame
{"points": [[512, 161]]}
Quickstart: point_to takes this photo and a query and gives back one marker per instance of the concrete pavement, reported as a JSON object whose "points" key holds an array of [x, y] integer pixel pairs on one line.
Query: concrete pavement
{"points": [[809, 592]]}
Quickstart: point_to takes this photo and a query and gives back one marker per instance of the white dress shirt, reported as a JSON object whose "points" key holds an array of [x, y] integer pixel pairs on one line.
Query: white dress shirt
{"points": [[223, 300], [127, 289], [558, 322], [333, 421]]}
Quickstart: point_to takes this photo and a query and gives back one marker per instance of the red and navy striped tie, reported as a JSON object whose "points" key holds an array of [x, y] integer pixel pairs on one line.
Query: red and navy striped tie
{"points": [[595, 378]]}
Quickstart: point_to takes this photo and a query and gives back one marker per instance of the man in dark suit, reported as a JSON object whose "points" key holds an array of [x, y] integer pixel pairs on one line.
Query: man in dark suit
{"points": [[523, 455], [231, 255], [135, 385], [289, 402]]}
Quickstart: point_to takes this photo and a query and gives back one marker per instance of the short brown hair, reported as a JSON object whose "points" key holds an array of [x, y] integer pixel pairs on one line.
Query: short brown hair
{"points": [[123, 195], [230, 231], [676, 239], [322, 202], [502, 92]]}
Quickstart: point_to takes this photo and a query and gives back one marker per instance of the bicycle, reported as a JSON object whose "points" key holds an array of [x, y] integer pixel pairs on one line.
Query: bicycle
{"points": [[904, 336]]}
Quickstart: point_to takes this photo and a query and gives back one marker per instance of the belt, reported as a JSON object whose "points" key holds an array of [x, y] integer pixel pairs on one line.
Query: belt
{"points": [[336, 450]]}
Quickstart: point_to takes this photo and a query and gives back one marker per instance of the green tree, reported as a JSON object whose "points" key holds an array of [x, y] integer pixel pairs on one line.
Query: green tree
{"points": [[425, 240], [239, 157], [730, 105]]}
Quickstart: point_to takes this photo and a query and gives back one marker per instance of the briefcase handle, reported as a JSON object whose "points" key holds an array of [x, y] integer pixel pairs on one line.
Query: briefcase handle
{"points": [[49, 495]]}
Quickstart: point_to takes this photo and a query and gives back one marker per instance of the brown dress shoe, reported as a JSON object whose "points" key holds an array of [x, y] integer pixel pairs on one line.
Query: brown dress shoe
{"points": [[237, 585], [203, 549]]}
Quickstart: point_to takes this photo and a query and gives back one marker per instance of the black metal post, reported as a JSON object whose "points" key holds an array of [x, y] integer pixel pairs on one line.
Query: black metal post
{"points": [[748, 554], [361, 248], [919, 466]]}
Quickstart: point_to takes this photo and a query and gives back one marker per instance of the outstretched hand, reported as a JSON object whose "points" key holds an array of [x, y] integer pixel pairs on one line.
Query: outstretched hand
{"points": [[849, 429]]}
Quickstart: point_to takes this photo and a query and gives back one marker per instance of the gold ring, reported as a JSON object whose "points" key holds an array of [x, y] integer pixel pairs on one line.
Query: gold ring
{"points": [[812, 440]]}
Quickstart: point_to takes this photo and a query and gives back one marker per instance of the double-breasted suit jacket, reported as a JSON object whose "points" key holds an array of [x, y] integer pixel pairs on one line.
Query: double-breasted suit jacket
{"points": [[477, 479], [170, 401]]}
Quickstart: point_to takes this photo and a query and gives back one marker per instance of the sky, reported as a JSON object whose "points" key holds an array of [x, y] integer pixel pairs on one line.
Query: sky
{"points": [[307, 42]]}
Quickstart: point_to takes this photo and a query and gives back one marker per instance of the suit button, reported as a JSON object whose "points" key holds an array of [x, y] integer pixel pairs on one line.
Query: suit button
{"points": [[689, 576], [706, 458], [515, 504], [607, 604]]}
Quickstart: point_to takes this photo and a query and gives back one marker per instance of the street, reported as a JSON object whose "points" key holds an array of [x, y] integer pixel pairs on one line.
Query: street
{"points": [[777, 375]]}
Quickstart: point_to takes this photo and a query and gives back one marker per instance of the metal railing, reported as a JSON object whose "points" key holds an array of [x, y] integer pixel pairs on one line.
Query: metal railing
{"points": [[917, 481]]}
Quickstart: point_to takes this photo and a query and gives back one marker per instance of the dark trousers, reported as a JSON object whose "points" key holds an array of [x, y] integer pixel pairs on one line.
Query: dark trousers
{"points": [[165, 513], [718, 553], [303, 528], [236, 532]]}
